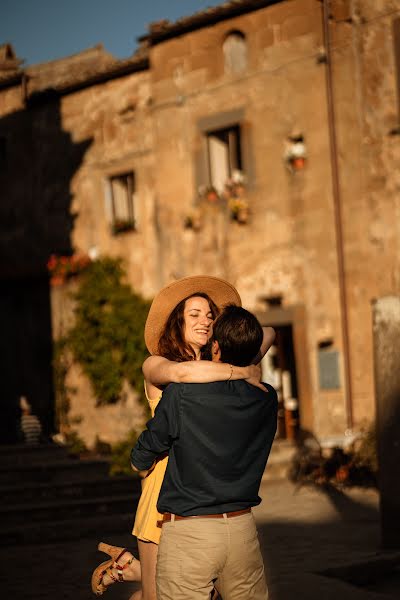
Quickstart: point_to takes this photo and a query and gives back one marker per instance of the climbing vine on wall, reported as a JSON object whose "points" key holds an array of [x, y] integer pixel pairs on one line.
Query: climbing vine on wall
{"points": [[107, 337]]}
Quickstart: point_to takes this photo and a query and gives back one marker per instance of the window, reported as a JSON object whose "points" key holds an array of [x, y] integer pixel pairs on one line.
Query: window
{"points": [[122, 194], [224, 155], [235, 52]]}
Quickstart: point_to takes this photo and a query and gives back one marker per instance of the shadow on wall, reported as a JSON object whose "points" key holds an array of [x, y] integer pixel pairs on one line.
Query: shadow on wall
{"points": [[37, 162]]}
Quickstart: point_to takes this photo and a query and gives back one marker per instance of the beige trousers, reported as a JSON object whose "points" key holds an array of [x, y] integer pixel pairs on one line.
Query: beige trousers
{"points": [[195, 553]]}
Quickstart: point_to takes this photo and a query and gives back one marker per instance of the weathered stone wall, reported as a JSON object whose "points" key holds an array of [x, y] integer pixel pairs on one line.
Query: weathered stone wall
{"points": [[11, 100], [288, 248], [117, 117], [367, 110], [154, 123], [108, 423]]}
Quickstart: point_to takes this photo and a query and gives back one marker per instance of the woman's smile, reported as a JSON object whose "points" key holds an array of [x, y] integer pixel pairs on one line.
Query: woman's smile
{"points": [[198, 322]]}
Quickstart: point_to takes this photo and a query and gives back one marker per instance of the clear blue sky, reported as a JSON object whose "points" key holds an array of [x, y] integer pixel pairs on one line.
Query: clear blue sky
{"points": [[42, 30]]}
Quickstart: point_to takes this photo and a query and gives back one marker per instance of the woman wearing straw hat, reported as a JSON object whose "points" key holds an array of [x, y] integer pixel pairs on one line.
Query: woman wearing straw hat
{"points": [[177, 330]]}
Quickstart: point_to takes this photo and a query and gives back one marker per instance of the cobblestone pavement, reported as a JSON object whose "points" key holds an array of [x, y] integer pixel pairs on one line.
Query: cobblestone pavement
{"points": [[303, 533]]}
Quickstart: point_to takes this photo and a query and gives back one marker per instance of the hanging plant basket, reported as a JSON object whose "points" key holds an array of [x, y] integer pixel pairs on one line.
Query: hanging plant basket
{"points": [[295, 154]]}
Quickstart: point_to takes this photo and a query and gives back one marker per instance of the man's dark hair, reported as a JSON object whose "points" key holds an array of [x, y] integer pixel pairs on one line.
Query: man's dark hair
{"points": [[239, 335]]}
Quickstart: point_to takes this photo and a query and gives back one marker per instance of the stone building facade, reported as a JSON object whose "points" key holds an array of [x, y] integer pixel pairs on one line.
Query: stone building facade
{"points": [[132, 157]]}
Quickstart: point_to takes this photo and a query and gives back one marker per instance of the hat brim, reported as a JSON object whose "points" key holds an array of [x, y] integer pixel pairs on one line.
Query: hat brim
{"points": [[219, 290]]}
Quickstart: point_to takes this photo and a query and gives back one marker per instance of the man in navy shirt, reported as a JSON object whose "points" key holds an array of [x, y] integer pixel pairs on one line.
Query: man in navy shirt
{"points": [[218, 436]]}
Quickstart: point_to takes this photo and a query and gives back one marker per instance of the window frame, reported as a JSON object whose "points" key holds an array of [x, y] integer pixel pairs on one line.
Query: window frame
{"points": [[119, 223]]}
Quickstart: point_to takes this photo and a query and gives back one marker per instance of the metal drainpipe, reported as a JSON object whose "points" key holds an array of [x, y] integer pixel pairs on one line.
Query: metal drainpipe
{"points": [[338, 213]]}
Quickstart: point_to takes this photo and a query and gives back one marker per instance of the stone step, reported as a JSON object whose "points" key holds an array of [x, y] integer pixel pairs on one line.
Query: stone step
{"points": [[97, 526], [41, 492], [54, 471], [48, 495], [26, 454], [67, 510]]}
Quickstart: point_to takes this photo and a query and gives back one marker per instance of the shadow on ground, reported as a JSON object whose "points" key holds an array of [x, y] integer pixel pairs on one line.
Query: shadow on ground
{"points": [[327, 557], [299, 550]]}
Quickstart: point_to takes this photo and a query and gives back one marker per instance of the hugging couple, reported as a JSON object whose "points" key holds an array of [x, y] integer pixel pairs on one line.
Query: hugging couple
{"points": [[204, 451]]}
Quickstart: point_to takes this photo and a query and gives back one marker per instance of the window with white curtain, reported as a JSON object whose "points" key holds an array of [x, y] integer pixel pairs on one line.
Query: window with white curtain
{"points": [[224, 155]]}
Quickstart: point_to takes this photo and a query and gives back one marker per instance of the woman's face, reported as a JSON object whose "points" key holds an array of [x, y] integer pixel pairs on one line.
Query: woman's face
{"points": [[198, 322]]}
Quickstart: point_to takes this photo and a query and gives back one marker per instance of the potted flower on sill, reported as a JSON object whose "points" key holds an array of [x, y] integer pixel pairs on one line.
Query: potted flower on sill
{"points": [[122, 226], [239, 210], [62, 268], [232, 197], [234, 194], [211, 195]]}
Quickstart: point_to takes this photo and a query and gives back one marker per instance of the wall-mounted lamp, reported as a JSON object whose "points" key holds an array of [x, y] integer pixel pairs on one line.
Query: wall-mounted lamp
{"points": [[295, 154]]}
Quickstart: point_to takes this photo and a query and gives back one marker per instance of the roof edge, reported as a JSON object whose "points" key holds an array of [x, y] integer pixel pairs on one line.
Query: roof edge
{"points": [[204, 19], [118, 71], [12, 80]]}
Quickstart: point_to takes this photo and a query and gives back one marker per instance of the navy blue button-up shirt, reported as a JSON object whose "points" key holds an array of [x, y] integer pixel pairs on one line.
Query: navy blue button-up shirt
{"points": [[218, 436]]}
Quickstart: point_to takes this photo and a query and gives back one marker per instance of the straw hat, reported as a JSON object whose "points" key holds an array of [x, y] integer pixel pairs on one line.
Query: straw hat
{"points": [[219, 290]]}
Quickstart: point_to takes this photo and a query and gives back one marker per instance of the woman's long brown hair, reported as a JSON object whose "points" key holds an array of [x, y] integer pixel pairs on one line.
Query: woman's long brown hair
{"points": [[172, 343]]}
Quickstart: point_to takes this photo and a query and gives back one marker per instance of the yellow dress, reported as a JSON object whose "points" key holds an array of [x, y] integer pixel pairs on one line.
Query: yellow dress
{"points": [[147, 515]]}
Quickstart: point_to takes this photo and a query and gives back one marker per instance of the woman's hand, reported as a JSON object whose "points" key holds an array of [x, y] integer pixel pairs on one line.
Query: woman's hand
{"points": [[268, 339], [255, 377]]}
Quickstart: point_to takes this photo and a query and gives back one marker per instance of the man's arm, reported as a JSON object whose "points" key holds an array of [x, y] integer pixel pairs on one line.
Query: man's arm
{"points": [[161, 431]]}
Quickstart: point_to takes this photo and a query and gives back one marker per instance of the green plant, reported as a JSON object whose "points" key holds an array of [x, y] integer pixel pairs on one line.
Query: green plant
{"points": [[74, 443], [355, 465], [365, 450], [61, 366], [107, 338], [121, 455]]}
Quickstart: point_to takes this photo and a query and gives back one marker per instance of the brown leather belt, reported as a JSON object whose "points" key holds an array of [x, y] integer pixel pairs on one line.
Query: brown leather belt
{"points": [[235, 513]]}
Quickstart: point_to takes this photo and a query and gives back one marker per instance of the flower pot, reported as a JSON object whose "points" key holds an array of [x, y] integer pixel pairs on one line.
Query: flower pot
{"points": [[212, 196], [242, 216], [298, 162]]}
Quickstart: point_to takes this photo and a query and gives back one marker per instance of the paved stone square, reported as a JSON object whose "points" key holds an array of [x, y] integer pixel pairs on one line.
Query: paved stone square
{"points": [[303, 532]]}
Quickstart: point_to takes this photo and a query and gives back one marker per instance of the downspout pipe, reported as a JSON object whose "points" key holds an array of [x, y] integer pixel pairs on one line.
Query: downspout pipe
{"points": [[337, 213]]}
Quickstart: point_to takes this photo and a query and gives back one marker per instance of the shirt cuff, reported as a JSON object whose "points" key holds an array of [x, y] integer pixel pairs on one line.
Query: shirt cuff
{"points": [[142, 463]]}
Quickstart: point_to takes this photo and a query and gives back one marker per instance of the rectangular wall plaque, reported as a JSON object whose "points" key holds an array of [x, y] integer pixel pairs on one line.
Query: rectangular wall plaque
{"points": [[328, 369]]}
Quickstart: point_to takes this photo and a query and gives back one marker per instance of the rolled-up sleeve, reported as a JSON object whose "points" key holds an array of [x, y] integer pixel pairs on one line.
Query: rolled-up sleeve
{"points": [[161, 430]]}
